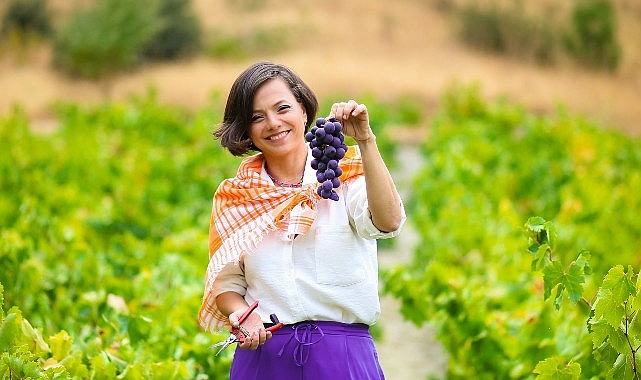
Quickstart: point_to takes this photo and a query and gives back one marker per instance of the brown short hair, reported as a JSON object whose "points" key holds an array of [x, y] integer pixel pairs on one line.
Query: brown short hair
{"points": [[233, 131]]}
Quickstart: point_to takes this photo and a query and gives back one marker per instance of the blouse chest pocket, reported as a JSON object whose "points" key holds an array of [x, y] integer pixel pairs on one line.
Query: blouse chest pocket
{"points": [[340, 259]]}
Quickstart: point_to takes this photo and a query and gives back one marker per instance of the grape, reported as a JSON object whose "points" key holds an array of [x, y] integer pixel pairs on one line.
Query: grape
{"points": [[309, 136], [320, 134], [330, 151], [329, 174], [327, 143], [329, 128]]}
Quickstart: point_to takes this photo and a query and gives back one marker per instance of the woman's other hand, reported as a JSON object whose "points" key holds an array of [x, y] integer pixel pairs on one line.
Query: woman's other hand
{"points": [[253, 325]]}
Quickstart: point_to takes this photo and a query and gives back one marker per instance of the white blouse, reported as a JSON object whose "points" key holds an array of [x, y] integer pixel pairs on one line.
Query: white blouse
{"points": [[330, 273]]}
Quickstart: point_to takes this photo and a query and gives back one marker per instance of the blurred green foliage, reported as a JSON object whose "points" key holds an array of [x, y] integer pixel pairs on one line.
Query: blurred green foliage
{"points": [[588, 33], [179, 34], [103, 228], [101, 41], [113, 36], [489, 167], [509, 31], [27, 16], [592, 38], [254, 42]]}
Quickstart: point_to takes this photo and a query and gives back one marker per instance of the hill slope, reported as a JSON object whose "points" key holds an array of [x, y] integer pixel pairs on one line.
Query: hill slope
{"points": [[352, 47]]}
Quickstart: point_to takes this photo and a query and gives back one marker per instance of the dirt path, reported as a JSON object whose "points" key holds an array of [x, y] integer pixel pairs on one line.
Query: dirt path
{"points": [[405, 351]]}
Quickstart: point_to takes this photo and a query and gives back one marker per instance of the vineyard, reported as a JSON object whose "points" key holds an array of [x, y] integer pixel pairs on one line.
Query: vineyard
{"points": [[526, 217], [528, 225]]}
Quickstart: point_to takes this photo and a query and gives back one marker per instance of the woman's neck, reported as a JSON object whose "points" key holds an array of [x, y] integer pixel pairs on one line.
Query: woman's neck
{"points": [[287, 169]]}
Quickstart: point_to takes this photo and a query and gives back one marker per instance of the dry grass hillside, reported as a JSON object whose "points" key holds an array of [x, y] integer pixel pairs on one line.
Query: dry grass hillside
{"points": [[351, 47]]}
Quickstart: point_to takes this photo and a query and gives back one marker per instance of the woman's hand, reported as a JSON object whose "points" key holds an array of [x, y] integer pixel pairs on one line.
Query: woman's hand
{"points": [[252, 325], [383, 200], [354, 118]]}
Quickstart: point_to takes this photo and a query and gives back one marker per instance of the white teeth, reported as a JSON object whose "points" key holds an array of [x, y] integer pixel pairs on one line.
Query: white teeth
{"points": [[278, 136]]}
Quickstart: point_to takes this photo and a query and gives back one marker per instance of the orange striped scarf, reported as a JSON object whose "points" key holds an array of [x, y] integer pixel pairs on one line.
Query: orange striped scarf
{"points": [[246, 208]]}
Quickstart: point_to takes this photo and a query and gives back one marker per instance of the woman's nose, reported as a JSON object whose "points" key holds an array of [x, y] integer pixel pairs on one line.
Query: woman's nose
{"points": [[272, 121]]}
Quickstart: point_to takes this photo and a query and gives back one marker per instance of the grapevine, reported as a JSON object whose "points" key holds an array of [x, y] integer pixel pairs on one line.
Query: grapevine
{"points": [[328, 147]]}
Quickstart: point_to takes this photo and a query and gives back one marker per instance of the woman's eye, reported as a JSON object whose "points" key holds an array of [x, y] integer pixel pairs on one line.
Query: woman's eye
{"points": [[284, 107], [256, 118]]}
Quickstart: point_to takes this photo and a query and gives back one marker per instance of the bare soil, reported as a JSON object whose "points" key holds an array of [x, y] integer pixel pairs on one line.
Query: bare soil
{"points": [[374, 47]]}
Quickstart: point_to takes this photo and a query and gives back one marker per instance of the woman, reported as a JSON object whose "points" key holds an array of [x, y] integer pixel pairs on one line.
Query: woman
{"points": [[310, 261]]}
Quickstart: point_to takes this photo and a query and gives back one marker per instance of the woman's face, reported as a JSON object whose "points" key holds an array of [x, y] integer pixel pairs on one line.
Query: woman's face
{"points": [[277, 123]]}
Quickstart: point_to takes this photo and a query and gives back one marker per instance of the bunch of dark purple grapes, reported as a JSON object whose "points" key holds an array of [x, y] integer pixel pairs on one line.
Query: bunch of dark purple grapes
{"points": [[328, 146]]}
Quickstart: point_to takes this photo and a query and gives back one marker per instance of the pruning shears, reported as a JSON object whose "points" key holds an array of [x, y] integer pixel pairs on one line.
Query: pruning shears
{"points": [[238, 334]]}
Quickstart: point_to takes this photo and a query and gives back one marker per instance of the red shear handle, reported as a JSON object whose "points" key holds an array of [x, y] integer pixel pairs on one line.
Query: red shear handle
{"points": [[249, 310], [277, 325]]}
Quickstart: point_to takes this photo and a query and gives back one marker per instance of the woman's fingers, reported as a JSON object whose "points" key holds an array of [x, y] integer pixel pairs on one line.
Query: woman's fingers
{"points": [[256, 339], [359, 110], [233, 319], [354, 118], [343, 110]]}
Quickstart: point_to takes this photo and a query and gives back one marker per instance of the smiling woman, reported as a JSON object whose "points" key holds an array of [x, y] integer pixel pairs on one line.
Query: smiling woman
{"points": [[310, 261], [277, 128]]}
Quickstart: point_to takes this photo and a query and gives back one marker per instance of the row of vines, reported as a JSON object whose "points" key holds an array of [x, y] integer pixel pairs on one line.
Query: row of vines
{"points": [[103, 224], [528, 225], [530, 242]]}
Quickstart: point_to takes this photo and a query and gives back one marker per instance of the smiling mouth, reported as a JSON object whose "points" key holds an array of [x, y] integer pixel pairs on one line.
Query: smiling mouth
{"points": [[278, 136]]}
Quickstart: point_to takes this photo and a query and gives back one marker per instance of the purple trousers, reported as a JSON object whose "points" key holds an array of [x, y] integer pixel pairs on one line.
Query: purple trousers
{"points": [[314, 350]]}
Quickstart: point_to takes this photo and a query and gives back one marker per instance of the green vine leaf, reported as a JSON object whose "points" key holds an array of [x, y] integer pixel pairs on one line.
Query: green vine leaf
{"points": [[618, 341], [9, 329], [572, 278], [102, 368], [556, 368], [634, 328], [35, 341], [60, 344], [1, 302], [615, 291], [541, 238], [600, 331], [541, 256], [622, 368], [636, 301]]}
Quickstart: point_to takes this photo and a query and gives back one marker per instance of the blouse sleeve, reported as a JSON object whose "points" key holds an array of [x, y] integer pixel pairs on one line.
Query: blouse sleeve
{"points": [[231, 279], [360, 216]]}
